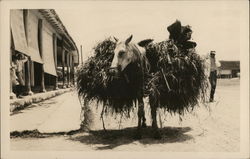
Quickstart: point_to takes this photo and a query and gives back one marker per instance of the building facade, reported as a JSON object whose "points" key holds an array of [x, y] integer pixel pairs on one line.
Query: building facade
{"points": [[229, 69], [52, 55]]}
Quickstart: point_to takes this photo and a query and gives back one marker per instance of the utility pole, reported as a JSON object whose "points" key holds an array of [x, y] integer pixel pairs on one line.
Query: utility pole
{"points": [[81, 55]]}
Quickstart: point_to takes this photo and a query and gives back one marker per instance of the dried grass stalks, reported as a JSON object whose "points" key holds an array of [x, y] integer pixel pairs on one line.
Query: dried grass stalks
{"points": [[95, 83], [178, 80]]}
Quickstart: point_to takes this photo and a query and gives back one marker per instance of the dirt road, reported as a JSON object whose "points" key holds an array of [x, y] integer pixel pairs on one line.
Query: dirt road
{"points": [[216, 129]]}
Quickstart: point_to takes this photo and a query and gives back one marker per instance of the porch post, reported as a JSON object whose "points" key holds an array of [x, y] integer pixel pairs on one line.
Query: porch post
{"points": [[40, 29], [32, 80], [73, 71], [42, 80], [68, 77], [63, 65], [68, 66], [28, 77], [55, 58], [73, 74]]}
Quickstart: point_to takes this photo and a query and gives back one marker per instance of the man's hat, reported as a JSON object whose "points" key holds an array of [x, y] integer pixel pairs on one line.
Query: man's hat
{"points": [[212, 53]]}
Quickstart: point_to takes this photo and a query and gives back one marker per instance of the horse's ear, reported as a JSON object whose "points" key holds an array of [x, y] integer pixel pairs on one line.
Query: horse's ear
{"points": [[144, 43], [129, 39], [116, 40]]}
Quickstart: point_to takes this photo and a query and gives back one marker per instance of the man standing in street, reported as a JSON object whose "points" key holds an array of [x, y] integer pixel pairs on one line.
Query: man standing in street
{"points": [[213, 74]]}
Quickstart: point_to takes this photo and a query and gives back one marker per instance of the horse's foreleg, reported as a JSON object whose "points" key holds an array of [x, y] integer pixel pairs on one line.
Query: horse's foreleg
{"points": [[153, 115], [139, 114], [141, 117], [153, 106], [142, 113]]}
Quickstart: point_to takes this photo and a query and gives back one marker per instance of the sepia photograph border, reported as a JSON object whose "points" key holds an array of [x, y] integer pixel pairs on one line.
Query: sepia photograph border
{"points": [[5, 117]]}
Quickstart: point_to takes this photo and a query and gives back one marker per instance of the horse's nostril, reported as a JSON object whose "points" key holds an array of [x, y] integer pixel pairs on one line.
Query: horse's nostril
{"points": [[112, 71], [119, 67]]}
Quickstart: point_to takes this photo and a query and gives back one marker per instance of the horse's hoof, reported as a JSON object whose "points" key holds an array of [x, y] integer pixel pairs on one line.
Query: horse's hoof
{"points": [[144, 125]]}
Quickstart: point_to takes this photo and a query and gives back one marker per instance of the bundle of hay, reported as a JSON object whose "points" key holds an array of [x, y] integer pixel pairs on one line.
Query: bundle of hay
{"points": [[178, 80], [94, 81]]}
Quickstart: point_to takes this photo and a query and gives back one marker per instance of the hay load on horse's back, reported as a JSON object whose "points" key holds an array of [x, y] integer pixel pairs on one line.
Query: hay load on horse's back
{"points": [[178, 80], [119, 76], [92, 77], [115, 76], [97, 80]]}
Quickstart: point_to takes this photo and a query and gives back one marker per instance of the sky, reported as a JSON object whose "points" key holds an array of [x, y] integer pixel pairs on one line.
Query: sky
{"points": [[215, 25]]}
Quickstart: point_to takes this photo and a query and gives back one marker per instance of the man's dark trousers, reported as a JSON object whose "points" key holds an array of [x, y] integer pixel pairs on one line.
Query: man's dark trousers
{"points": [[213, 82]]}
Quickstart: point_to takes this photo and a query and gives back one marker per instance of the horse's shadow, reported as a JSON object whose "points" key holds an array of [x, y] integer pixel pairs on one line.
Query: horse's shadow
{"points": [[113, 138]]}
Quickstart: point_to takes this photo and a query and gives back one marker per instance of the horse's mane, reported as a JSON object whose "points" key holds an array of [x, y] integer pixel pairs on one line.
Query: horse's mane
{"points": [[139, 57]]}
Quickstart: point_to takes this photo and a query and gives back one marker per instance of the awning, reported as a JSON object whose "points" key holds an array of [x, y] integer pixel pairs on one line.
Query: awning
{"points": [[32, 36], [48, 53], [18, 32]]}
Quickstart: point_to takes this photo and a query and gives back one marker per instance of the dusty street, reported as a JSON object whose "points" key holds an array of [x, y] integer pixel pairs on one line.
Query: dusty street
{"points": [[214, 128]]}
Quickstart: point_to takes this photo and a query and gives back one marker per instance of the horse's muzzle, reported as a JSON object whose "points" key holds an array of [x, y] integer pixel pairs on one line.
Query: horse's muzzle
{"points": [[113, 71]]}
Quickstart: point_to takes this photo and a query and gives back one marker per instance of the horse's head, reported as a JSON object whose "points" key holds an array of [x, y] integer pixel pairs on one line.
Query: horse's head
{"points": [[124, 54]]}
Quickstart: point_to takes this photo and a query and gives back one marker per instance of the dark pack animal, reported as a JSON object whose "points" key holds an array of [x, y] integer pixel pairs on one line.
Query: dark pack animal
{"points": [[121, 73], [176, 79]]}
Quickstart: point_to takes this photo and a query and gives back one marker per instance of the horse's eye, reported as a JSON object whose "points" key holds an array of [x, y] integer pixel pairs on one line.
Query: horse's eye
{"points": [[121, 53]]}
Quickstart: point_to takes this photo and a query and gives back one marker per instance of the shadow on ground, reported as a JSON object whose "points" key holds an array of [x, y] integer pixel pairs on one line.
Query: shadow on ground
{"points": [[113, 138]]}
